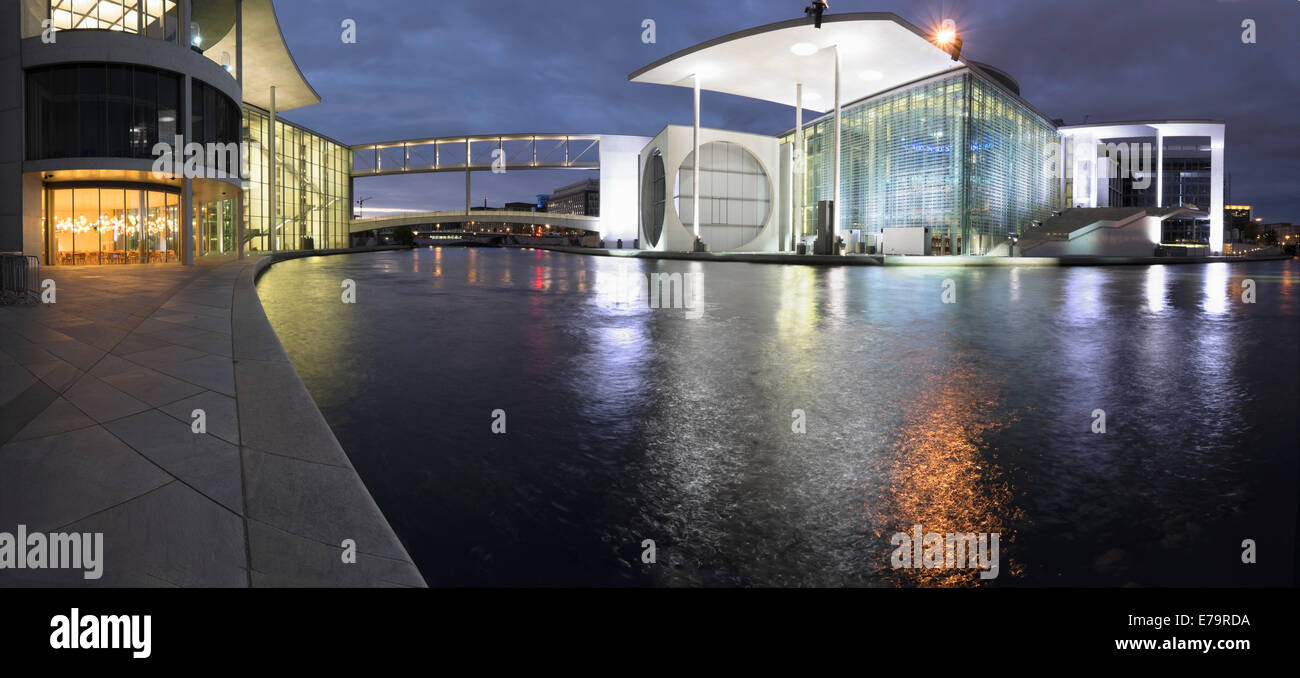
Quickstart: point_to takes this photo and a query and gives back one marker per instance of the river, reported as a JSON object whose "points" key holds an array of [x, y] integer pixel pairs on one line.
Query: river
{"points": [[625, 423]]}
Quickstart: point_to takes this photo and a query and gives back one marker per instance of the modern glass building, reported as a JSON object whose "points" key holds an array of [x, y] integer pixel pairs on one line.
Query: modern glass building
{"points": [[910, 136], [312, 207], [147, 131], [956, 154]]}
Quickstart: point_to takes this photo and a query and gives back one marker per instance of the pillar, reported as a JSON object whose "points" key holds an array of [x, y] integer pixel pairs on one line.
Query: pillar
{"points": [[836, 226], [695, 173]]}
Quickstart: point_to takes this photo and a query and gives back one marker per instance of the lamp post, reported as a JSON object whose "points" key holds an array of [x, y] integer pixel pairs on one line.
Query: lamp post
{"points": [[816, 10]]}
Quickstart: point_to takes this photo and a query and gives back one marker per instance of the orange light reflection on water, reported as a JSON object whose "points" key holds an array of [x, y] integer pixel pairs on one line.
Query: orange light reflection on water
{"points": [[941, 478]]}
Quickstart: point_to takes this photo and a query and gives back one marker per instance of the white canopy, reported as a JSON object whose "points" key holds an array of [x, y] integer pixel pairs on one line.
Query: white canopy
{"points": [[878, 51]]}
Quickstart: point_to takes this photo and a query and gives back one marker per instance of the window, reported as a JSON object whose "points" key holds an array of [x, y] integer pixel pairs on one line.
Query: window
{"points": [[158, 19], [99, 110], [112, 224]]}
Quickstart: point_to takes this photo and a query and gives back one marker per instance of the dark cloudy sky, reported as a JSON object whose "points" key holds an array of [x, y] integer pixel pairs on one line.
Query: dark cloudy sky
{"points": [[424, 68]]}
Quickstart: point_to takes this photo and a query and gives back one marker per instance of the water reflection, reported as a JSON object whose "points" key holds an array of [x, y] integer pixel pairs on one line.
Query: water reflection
{"points": [[1216, 288], [942, 478], [1155, 287], [628, 423]]}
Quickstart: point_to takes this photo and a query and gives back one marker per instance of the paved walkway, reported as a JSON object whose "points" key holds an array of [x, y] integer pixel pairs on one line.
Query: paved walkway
{"points": [[97, 393]]}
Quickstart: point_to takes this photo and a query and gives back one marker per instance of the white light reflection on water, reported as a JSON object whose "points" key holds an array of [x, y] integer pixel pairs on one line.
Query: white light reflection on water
{"points": [[1156, 288], [1216, 288]]}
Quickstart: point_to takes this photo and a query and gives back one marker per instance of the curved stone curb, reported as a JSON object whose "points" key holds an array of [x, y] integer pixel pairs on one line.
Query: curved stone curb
{"points": [[878, 260], [303, 496]]}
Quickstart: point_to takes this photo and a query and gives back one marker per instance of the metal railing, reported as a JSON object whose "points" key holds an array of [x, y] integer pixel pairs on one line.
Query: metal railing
{"points": [[477, 153], [20, 277]]}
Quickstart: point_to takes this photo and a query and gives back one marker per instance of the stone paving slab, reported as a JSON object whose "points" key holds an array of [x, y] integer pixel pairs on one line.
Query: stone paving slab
{"points": [[97, 397]]}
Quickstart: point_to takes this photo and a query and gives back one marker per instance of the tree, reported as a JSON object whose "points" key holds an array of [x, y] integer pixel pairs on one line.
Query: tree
{"points": [[402, 235]]}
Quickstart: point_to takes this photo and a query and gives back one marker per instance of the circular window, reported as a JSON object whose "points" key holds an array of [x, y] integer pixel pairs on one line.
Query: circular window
{"points": [[653, 196], [735, 195]]}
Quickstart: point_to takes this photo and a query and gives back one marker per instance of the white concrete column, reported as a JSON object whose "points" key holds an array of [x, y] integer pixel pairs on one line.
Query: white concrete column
{"points": [[468, 198], [796, 223], [695, 174], [1160, 168], [1216, 193], [273, 209], [835, 218]]}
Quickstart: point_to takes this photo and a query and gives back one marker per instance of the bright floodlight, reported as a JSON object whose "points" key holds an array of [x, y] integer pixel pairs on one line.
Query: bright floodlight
{"points": [[803, 48], [945, 36]]}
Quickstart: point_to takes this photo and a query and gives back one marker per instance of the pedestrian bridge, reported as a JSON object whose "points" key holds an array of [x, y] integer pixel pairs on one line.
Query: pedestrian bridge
{"points": [[431, 219], [615, 156], [499, 153]]}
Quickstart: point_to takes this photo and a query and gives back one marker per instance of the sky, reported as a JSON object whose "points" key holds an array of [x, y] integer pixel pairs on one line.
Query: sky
{"points": [[426, 68]]}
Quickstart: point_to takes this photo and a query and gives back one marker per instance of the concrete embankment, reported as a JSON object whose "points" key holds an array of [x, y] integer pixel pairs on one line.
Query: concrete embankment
{"points": [[880, 260]]}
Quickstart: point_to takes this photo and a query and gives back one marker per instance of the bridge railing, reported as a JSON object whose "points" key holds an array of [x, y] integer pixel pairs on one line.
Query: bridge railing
{"points": [[488, 216], [481, 215], [477, 153]]}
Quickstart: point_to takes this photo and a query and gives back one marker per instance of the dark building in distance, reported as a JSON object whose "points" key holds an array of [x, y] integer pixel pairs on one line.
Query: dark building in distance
{"points": [[581, 198], [1236, 222]]}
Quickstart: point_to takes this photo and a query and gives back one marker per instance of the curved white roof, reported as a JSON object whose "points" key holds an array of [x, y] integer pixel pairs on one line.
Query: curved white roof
{"points": [[878, 52], [267, 62]]}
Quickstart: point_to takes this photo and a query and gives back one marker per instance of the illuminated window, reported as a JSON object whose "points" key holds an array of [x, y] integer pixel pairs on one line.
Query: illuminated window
{"points": [[113, 225], [153, 18]]}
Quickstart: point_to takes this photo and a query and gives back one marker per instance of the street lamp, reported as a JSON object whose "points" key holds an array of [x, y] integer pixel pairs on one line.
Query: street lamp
{"points": [[948, 40], [816, 10]]}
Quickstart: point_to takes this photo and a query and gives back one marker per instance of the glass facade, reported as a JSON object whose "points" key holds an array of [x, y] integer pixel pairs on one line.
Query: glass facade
{"points": [[1187, 172], [214, 227], [100, 111], [111, 224], [216, 116], [311, 179], [156, 19], [1185, 232], [955, 154], [1010, 179]]}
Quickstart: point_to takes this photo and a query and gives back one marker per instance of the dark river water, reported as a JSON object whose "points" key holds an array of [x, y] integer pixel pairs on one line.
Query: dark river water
{"points": [[626, 423]]}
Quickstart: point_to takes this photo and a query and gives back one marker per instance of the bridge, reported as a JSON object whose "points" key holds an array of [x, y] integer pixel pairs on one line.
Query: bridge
{"points": [[501, 153], [615, 156], [425, 219]]}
